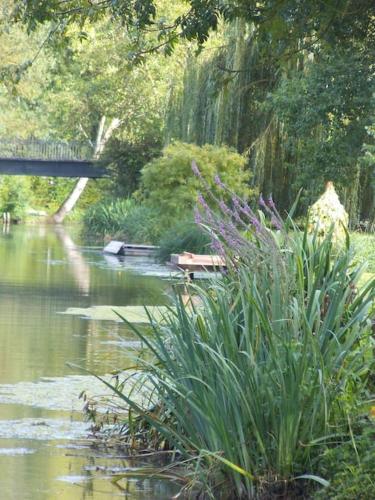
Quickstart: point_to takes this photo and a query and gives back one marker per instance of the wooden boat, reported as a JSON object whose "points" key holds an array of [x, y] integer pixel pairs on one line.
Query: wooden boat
{"points": [[127, 249], [190, 262]]}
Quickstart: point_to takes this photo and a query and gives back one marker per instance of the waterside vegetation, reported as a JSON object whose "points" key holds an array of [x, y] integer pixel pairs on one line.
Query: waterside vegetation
{"points": [[272, 363]]}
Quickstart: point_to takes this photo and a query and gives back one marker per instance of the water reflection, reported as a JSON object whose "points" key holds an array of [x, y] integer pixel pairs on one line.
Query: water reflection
{"points": [[44, 270], [79, 267]]}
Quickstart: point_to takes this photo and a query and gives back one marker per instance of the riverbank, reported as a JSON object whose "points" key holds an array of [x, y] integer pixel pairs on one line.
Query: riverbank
{"points": [[284, 344]]}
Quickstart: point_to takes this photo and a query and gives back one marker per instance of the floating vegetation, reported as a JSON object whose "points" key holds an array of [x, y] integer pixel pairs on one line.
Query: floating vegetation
{"points": [[131, 314]]}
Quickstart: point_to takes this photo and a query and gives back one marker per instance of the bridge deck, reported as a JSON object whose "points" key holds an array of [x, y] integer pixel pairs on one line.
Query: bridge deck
{"points": [[51, 168]]}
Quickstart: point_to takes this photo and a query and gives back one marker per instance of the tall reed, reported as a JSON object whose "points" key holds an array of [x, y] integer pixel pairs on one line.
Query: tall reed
{"points": [[252, 382]]}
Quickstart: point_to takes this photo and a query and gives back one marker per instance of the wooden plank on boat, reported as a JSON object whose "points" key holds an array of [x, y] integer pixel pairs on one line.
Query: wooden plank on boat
{"points": [[194, 262], [114, 247], [121, 248]]}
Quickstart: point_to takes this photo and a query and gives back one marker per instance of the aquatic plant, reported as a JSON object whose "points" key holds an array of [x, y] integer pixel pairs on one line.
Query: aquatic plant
{"points": [[249, 385], [107, 217]]}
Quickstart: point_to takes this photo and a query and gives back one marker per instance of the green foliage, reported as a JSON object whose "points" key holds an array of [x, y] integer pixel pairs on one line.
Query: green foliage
{"points": [[350, 466], [364, 245], [107, 217], [124, 219], [142, 225], [48, 193], [325, 141], [14, 196], [125, 161], [197, 19], [169, 185], [185, 236], [254, 381]]}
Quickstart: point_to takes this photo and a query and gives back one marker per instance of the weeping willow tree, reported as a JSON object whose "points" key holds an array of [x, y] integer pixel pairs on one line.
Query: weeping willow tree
{"points": [[301, 121]]}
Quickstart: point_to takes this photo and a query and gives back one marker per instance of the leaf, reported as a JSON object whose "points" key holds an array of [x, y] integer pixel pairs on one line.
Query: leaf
{"points": [[313, 477]]}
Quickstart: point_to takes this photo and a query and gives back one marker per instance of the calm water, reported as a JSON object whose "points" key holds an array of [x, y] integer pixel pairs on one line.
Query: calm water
{"points": [[43, 453]]}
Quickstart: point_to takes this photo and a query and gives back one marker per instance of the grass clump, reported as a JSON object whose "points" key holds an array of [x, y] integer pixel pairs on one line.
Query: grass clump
{"points": [[364, 245], [122, 219], [107, 217], [184, 237], [250, 385]]}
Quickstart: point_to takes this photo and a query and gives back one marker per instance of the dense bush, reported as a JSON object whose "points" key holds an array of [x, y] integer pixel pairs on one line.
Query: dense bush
{"points": [[15, 196], [125, 161], [169, 185]]}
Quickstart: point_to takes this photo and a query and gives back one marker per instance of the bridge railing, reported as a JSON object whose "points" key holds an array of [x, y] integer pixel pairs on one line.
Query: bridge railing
{"points": [[39, 149]]}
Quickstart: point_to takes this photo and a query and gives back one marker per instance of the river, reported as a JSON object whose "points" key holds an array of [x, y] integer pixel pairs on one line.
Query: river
{"points": [[43, 449]]}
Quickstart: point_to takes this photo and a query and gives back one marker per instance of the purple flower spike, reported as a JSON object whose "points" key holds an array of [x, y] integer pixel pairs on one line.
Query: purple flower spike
{"points": [[224, 208], [275, 222], [202, 202], [270, 202], [262, 203], [236, 202], [217, 247], [195, 169], [219, 182], [255, 222], [197, 216]]}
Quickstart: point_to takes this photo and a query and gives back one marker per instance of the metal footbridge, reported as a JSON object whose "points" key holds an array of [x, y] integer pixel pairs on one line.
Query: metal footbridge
{"points": [[48, 159]]}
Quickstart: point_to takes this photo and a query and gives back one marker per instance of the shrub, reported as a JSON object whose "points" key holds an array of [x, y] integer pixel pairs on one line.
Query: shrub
{"points": [[125, 160], [168, 184], [14, 196]]}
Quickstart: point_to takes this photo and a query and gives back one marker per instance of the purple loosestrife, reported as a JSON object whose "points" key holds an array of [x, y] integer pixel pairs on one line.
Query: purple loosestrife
{"points": [[271, 203], [202, 202], [236, 231], [219, 182], [197, 216], [265, 205], [256, 223], [276, 222], [262, 203], [195, 169], [217, 247], [224, 208]]}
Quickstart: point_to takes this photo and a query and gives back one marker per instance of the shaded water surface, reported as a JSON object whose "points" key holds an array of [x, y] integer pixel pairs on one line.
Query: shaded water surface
{"points": [[44, 271]]}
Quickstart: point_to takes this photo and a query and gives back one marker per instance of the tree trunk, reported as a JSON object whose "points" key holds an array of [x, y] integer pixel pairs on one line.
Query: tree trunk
{"points": [[101, 140]]}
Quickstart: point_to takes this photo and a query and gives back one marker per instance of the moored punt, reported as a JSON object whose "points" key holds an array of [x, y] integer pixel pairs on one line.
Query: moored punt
{"points": [[122, 248], [190, 262]]}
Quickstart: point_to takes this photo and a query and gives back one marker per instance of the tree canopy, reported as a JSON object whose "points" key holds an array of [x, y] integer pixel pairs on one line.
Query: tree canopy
{"points": [[285, 22]]}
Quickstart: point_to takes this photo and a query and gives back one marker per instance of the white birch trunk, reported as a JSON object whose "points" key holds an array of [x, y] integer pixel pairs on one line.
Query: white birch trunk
{"points": [[101, 140]]}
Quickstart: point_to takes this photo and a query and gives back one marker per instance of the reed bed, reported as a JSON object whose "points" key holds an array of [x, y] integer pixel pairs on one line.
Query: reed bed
{"points": [[253, 384]]}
